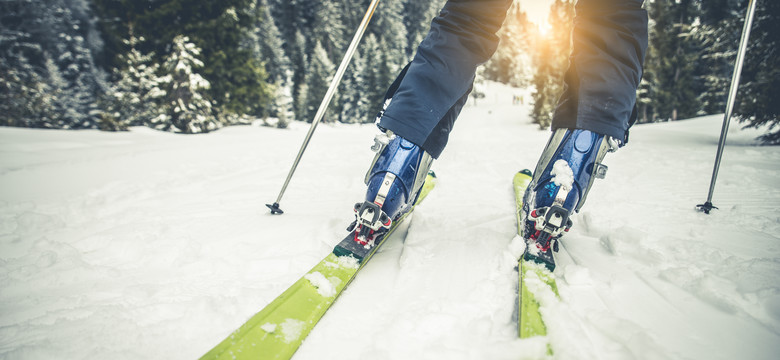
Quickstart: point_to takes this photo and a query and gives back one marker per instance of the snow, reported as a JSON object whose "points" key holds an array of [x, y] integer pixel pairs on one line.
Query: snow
{"points": [[131, 245], [322, 284], [292, 329], [562, 174], [268, 327], [344, 262]]}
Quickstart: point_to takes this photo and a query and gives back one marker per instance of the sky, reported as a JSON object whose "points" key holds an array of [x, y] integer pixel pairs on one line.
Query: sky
{"points": [[536, 9]]}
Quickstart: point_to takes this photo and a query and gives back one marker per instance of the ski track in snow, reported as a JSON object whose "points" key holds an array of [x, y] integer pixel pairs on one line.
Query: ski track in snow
{"points": [[144, 244]]}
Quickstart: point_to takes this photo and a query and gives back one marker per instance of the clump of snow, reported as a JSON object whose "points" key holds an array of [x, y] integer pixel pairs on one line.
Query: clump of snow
{"points": [[268, 327], [347, 262], [292, 329], [533, 249], [562, 174], [517, 246], [321, 283], [576, 275]]}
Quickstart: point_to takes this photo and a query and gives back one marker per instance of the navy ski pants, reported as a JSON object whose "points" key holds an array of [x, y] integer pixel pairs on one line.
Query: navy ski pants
{"points": [[605, 67]]}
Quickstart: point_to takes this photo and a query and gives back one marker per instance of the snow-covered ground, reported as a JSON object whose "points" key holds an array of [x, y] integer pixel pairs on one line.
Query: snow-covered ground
{"points": [[149, 245]]}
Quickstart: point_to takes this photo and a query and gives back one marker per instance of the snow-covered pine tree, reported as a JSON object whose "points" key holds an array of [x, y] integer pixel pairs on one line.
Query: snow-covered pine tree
{"points": [[218, 28], [417, 19], [27, 96], [328, 29], [545, 90], [353, 107], [383, 53], [373, 79], [268, 47], [760, 85], [134, 99], [186, 106], [551, 62], [46, 43], [27, 101], [299, 60], [643, 99], [76, 102], [512, 61], [672, 59], [318, 75], [718, 32], [388, 26], [283, 102]]}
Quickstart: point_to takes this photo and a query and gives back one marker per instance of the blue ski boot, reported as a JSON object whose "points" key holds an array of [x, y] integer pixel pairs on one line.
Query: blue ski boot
{"points": [[565, 172], [394, 181]]}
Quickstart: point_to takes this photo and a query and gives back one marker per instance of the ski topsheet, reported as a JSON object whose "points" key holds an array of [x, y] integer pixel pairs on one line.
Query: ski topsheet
{"points": [[530, 275], [278, 330]]}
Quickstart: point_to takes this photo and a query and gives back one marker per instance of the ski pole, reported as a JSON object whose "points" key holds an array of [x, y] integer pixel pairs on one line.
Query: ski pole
{"points": [[707, 206], [326, 100]]}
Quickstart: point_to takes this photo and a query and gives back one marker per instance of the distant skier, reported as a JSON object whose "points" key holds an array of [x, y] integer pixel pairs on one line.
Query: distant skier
{"points": [[592, 117]]}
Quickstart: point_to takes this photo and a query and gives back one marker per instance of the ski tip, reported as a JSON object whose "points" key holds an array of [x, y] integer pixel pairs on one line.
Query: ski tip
{"points": [[275, 209]]}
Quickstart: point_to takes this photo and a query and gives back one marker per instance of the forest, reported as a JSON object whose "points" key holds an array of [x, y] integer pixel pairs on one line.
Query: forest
{"points": [[194, 66]]}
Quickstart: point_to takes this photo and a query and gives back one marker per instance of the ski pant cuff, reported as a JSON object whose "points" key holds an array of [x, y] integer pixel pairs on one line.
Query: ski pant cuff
{"points": [[598, 127]]}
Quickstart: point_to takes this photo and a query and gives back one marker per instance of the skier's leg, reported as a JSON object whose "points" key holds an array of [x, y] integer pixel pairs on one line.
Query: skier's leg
{"points": [[592, 117], [421, 107], [605, 67], [461, 37]]}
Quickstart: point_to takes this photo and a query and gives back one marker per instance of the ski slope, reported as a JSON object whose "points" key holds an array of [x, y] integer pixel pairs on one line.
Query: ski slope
{"points": [[149, 245]]}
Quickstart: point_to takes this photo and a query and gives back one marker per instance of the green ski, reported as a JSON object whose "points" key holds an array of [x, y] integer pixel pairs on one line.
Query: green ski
{"points": [[529, 321], [278, 330]]}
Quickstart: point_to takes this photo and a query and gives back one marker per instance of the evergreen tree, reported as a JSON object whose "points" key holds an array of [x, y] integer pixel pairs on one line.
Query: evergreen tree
{"points": [[718, 34], [186, 106], [418, 15], [546, 89], [27, 100], [551, 62], [134, 98], [318, 76], [219, 28], [374, 79], [80, 79], [510, 64], [45, 46], [328, 29], [27, 96], [389, 28], [760, 85], [268, 47], [643, 99], [300, 89], [672, 58], [354, 107], [283, 104]]}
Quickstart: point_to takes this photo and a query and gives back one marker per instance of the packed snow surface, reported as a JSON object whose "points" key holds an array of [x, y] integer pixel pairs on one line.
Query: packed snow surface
{"points": [[148, 245]]}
